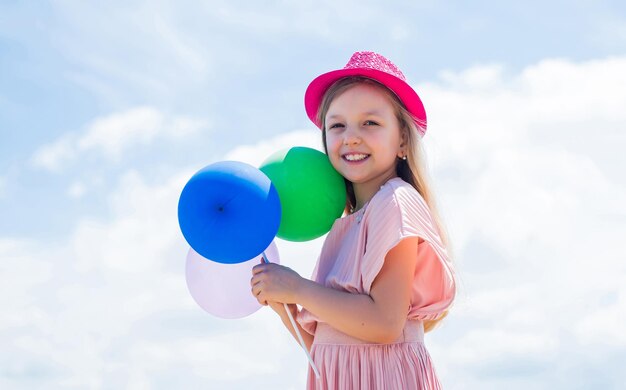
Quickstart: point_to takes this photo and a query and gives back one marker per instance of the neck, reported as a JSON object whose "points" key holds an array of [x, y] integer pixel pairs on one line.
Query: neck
{"points": [[363, 192]]}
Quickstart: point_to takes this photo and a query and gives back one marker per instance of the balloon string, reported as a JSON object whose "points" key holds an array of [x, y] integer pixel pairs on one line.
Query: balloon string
{"points": [[295, 327]]}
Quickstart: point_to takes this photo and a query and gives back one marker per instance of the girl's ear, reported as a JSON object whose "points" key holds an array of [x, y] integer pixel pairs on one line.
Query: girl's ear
{"points": [[403, 142], [404, 136]]}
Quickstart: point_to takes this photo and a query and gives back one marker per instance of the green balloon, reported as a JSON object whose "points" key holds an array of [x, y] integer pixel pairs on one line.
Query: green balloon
{"points": [[312, 193]]}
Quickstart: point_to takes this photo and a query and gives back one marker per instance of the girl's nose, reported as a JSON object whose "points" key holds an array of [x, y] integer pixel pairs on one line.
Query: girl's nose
{"points": [[351, 137]]}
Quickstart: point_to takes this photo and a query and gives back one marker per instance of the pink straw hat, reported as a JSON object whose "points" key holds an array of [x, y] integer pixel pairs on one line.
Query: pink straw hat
{"points": [[374, 66]]}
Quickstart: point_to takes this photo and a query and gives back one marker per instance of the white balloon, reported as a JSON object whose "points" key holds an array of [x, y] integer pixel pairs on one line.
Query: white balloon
{"points": [[224, 290]]}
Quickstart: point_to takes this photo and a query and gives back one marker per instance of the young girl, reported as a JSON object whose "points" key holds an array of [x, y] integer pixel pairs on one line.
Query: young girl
{"points": [[384, 275]]}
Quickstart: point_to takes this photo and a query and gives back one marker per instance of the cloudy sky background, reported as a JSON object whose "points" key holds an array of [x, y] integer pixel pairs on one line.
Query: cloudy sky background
{"points": [[107, 110]]}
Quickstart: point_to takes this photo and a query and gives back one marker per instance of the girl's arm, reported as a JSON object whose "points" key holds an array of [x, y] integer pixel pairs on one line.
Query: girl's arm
{"points": [[378, 317]]}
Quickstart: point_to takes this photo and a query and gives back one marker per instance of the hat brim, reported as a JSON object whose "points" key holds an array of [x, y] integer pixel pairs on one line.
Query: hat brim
{"points": [[317, 88]]}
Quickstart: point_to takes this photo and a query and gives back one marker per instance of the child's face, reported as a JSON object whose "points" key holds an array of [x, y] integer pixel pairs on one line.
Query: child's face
{"points": [[363, 135]]}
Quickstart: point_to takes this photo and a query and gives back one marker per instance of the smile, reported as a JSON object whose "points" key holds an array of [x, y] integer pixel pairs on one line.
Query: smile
{"points": [[355, 157]]}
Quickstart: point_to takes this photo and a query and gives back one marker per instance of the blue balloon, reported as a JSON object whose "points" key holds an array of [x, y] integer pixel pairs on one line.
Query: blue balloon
{"points": [[229, 212]]}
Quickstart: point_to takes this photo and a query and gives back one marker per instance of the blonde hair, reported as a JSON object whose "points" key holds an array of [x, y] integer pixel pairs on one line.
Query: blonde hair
{"points": [[413, 170]]}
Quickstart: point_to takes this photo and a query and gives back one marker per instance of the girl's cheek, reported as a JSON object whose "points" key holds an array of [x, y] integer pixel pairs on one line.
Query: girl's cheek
{"points": [[332, 144]]}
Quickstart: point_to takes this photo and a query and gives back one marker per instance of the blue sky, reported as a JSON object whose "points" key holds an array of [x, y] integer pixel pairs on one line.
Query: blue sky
{"points": [[106, 111]]}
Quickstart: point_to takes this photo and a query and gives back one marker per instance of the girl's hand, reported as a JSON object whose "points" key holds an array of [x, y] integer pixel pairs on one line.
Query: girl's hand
{"points": [[274, 282]]}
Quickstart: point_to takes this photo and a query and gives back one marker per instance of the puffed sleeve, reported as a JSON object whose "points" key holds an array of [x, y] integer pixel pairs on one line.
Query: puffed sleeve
{"points": [[400, 212]]}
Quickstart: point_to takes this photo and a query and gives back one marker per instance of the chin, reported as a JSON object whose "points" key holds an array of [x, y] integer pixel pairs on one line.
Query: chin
{"points": [[356, 180]]}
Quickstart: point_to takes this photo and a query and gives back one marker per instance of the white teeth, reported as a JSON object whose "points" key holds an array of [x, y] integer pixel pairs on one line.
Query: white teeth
{"points": [[355, 157]]}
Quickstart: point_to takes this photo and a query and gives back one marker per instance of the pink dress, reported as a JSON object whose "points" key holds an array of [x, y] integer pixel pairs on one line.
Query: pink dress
{"points": [[352, 255]]}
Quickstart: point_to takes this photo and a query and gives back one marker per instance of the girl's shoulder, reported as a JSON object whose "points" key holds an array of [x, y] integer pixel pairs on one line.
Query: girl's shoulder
{"points": [[397, 191], [398, 201]]}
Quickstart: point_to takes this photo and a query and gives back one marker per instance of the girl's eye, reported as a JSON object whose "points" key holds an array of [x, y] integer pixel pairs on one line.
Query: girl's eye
{"points": [[371, 123], [336, 125]]}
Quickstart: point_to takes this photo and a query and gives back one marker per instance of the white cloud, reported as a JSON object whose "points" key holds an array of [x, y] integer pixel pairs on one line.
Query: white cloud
{"points": [[605, 326], [256, 154], [476, 78], [108, 47], [23, 268], [527, 166], [313, 18], [111, 301], [114, 135], [55, 155], [77, 190], [181, 48]]}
